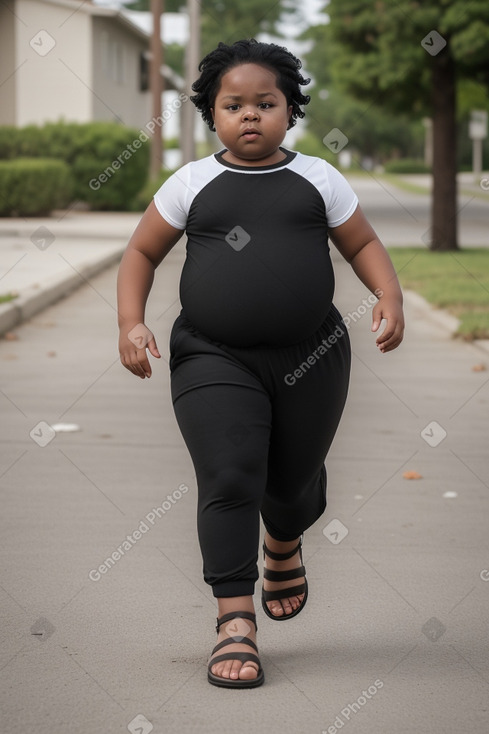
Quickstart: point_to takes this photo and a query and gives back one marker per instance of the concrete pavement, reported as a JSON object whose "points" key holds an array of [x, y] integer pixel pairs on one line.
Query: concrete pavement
{"points": [[44, 258], [394, 637]]}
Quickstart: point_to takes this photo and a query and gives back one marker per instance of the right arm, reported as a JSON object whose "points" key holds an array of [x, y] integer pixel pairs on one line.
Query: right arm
{"points": [[152, 240]]}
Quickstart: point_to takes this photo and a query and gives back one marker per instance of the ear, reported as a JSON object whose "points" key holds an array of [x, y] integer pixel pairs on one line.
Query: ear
{"points": [[289, 113]]}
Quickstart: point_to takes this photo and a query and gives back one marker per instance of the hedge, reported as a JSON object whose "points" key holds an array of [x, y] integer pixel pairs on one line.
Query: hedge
{"points": [[34, 186], [145, 196], [109, 162], [406, 165]]}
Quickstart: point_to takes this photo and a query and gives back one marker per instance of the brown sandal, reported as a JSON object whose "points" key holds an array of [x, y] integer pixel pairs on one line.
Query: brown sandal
{"points": [[217, 680], [293, 573]]}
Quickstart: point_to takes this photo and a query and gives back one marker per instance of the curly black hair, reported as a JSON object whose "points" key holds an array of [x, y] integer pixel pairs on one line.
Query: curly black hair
{"points": [[276, 58]]}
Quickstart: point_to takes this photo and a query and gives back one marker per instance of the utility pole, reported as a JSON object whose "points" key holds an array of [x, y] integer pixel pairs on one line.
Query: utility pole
{"points": [[156, 86], [192, 58]]}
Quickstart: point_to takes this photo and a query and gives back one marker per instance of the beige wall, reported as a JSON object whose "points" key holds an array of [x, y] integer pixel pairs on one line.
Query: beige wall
{"points": [[7, 63], [61, 61], [54, 85], [116, 74]]}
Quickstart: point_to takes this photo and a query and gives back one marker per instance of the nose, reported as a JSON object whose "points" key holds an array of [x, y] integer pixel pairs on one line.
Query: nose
{"points": [[250, 114]]}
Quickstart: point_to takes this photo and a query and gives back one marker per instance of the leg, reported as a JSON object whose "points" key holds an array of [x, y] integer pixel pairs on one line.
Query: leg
{"points": [[226, 429], [306, 415]]}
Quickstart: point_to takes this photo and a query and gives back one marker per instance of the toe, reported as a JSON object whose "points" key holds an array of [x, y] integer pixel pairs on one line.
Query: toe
{"points": [[248, 671], [234, 670], [288, 608], [276, 608]]}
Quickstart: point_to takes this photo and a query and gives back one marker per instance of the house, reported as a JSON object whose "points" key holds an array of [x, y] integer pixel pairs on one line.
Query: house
{"points": [[73, 61]]}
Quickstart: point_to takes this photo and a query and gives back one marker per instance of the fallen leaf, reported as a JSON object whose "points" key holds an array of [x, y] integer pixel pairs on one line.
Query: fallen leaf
{"points": [[11, 336], [50, 354], [481, 367], [412, 475]]}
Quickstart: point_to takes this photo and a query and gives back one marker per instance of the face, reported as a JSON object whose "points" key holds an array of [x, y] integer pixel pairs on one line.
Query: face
{"points": [[251, 116]]}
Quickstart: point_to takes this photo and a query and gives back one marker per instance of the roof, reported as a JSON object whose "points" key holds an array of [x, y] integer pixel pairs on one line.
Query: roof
{"points": [[89, 8]]}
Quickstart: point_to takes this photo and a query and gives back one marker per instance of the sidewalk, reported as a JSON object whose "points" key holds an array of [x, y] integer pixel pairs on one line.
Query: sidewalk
{"points": [[44, 259], [394, 637]]}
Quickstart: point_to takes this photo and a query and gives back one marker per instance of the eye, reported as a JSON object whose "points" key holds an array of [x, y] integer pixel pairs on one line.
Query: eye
{"points": [[232, 107], [266, 105]]}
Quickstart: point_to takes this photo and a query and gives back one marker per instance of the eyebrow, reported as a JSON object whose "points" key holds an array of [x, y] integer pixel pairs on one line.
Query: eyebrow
{"points": [[260, 94]]}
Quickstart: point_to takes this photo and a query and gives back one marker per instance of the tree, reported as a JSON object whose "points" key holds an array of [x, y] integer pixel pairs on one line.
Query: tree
{"points": [[371, 131], [408, 56], [232, 20]]}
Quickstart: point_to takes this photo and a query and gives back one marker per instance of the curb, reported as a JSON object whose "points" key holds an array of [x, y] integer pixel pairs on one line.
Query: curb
{"points": [[33, 300], [441, 318]]}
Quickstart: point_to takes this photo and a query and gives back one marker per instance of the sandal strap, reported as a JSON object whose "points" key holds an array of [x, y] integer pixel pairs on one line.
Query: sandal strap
{"points": [[281, 556], [233, 615], [234, 641], [244, 657], [284, 593], [293, 573]]}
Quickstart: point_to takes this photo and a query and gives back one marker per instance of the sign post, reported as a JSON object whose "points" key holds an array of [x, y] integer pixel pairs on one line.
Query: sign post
{"points": [[477, 133]]}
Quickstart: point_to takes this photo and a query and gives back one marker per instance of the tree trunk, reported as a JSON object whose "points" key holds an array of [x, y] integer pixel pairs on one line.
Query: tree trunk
{"points": [[444, 197]]}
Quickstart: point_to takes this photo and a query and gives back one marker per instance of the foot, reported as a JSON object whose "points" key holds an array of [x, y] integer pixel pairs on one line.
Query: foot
{"points": [[287, 605], [235, 669]]}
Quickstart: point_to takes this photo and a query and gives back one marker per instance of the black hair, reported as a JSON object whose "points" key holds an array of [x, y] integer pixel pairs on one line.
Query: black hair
{"points": [[278, 59]]}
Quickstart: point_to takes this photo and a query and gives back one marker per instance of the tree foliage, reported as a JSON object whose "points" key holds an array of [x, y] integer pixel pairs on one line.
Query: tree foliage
{"points": [[371, 130], [410, 55], [378, 51], [232, 20]]}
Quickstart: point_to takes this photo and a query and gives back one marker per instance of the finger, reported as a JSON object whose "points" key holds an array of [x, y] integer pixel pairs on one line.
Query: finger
{"points": [[132, 364], [392, 341], [153, 348], [143, 363], [376, 317]]}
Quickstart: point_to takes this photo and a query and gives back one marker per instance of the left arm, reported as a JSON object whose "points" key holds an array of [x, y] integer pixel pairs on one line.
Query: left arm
{"points": [[358, 243]]}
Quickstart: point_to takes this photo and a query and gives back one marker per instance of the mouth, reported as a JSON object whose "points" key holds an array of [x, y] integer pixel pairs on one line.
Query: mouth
{"points": [[250, 134]]}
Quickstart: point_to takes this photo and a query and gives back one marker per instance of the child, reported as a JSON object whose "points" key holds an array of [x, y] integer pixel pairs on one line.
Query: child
{"points": [[259, 355]]}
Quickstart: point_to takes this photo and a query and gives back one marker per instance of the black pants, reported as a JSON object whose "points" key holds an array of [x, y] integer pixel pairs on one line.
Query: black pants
{"points": [[258, 423]]}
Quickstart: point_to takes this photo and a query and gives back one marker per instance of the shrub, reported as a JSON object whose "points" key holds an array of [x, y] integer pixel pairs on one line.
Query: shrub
{"points": [[145, 196], [406, 165], [309, 144], [34, 186], [109, 162]]}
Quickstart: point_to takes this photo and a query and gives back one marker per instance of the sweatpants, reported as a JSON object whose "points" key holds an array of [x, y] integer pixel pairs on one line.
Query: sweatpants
{"points": [[258, 423]]}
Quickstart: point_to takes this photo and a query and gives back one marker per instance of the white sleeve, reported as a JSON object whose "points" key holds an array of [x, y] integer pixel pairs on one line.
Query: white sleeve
{"points": [[341, 201], [174, 197]]}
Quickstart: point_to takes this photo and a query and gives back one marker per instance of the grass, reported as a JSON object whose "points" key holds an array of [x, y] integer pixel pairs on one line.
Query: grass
{"points": [[6, 297], [456, 281]]}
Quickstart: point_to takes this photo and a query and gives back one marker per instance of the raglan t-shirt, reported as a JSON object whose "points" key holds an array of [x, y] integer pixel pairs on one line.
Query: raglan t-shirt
{"points": [[258, 269]]}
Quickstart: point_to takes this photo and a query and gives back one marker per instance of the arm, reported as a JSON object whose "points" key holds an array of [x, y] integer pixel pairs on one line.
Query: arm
{"points": [[152, 240], [359, 245]]}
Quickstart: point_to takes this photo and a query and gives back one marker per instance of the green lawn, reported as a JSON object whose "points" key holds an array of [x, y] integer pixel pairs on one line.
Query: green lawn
{"points": [[457, 281]]}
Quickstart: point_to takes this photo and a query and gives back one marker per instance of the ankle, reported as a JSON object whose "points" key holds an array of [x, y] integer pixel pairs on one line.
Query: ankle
{"points": [[280, 546], [235, 604]]}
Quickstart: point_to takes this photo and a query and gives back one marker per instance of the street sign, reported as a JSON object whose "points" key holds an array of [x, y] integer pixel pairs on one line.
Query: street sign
{"points": [[478, 125]]}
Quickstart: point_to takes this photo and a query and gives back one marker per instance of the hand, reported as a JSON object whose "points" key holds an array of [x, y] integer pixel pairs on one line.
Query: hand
{"points": [[391, 310], [132, 349]]}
